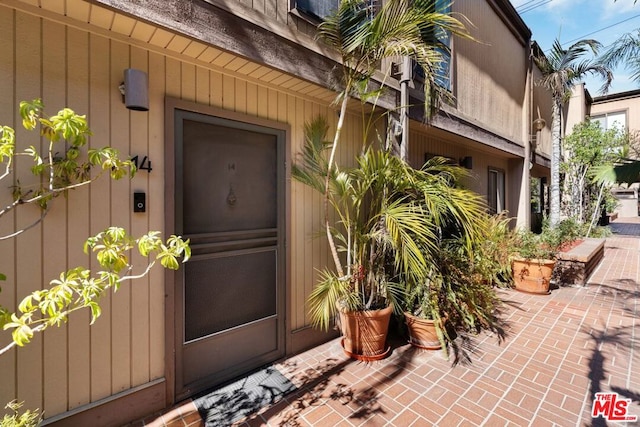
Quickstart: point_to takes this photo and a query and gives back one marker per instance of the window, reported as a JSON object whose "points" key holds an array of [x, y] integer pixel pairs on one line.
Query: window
{"points": [[318, 9], [442, 40], [495, 193], [315, 11], [617, 120]]}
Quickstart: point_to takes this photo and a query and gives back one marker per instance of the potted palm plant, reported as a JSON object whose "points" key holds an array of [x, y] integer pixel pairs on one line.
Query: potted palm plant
{"points": [[389, 221], [457, 295], [381, 217], [364, 37]]}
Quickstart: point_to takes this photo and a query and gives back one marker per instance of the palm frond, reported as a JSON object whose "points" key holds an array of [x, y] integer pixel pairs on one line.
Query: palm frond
{"points": [[399, 28], [628, 45], [312, 166], [626, 171], [562, 68], [323, 298]]}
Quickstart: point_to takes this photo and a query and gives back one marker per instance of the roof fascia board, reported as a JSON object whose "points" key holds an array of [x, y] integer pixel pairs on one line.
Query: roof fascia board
{"points": [[226, 29], [448, 121], [507, 13], [620, 96]]}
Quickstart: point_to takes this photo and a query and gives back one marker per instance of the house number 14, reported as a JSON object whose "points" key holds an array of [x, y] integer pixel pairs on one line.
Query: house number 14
{"points": [[144, 164]]}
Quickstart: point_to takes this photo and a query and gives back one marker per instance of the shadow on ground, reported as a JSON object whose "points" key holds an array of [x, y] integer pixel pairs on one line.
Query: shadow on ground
{"points": [[609, 342]]}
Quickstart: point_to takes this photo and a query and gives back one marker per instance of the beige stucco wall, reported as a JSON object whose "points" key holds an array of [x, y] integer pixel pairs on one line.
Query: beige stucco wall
{"points": [[630, 105], [576, 109]]}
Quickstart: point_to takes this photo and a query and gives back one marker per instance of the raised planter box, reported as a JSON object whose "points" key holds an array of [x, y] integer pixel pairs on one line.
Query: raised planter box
{"points": [[574, 266]]}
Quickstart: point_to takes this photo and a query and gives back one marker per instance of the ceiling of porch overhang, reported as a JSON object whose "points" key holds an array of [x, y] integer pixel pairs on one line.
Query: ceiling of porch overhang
{"points": [[98, 19]]}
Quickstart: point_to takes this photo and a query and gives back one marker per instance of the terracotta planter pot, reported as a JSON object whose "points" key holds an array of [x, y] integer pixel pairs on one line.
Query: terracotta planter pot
{"points": [[365, 333], [422, 332], [532, 275]]}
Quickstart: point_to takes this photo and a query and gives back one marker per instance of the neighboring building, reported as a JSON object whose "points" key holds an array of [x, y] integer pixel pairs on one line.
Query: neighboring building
{"points": [[231, 85], [618, 110], [621, 110]]}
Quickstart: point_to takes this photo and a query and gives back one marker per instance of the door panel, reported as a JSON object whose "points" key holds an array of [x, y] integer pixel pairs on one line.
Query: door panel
{"points": [[204, 357], [230, 179], [230, 298], [212, 309]]}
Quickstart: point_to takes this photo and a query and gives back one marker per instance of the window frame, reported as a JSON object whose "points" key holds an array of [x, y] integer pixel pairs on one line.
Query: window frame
{"points": [[500, 190], [444, 72], [306, 13], [605, 115]]}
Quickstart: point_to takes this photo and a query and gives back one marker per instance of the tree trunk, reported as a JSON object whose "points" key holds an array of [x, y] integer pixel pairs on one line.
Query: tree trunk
{"points": [[594, 217], [327, 225], [554, 187]]}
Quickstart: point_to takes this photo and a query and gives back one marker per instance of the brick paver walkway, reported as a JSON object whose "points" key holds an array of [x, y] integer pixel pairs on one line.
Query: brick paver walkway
{"points": [[559, 351]]}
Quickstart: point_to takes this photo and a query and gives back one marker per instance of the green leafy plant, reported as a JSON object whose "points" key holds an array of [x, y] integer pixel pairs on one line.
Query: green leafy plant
{"points": [[389, 224], [547, 244], [494, 250], [80, 288], [27, 418], [590, 148], [63, 167], [458, 292]]}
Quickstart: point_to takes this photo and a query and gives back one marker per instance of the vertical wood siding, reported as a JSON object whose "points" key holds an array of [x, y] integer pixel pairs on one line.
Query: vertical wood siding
{"points": [[446, 145], [55, 229], [28, 276], [490, 75], [7, 247], [69, 66], [68, 62], [79, 379]]}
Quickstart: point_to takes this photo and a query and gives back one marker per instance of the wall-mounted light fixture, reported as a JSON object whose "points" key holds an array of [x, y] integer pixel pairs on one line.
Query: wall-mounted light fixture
{"points": [[467, 162], [135, 90], [539, 124]]}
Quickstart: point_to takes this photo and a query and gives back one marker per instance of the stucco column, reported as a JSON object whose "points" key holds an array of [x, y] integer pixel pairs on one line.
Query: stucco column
{"points": [[523, 215], [523, 220]]}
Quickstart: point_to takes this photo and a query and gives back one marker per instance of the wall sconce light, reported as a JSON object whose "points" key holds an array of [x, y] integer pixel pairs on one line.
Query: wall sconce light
{"points": [[467, 162], [539, 124], [135, 90]]}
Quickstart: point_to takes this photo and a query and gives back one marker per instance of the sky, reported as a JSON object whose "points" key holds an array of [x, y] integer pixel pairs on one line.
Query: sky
{"points": [[573, 20]]}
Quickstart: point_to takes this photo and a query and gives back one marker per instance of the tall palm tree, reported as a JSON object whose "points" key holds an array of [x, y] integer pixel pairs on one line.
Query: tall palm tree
{"points": [[363, 37], [625, 50], [561, 70]]}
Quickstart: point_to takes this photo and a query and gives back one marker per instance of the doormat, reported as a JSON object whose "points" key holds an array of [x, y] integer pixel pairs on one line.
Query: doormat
{"points": [[235, 401]]}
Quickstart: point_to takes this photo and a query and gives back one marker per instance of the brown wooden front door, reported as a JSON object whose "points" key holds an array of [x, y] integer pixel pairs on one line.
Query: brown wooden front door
{"points": [[229, 200]]}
